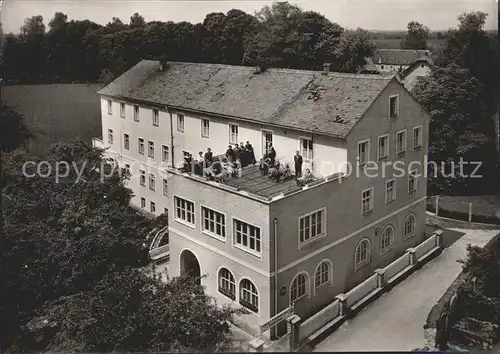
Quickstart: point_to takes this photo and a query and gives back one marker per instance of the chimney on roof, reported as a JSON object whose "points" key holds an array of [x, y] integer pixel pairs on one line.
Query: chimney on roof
{"points": [[326, 67]]}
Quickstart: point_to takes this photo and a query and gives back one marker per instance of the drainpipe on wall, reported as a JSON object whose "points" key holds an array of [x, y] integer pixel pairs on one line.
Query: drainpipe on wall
{"points": [[171, 139], [275, 274]]}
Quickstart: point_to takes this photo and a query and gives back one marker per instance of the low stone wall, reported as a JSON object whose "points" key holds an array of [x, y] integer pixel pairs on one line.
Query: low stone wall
{"points": [[361, 290], [309, 326], [440, 221], [425, 246], [305, 334], [397, 266], [323, 322]]}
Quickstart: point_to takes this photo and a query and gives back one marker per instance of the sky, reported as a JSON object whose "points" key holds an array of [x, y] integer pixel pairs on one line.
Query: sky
{"points": [[367, 14]]}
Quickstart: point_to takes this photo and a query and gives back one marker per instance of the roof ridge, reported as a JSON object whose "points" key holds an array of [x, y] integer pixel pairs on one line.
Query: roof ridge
{"points": [[283, 70]]}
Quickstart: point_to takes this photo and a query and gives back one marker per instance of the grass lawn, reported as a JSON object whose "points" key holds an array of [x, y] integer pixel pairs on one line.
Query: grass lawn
{"points": [[395, 43], [56, 112], [482, 205]]}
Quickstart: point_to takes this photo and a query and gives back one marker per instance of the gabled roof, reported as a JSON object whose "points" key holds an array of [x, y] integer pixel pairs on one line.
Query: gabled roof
{"points": [[421, 61], [398, 56], [324, 103]]}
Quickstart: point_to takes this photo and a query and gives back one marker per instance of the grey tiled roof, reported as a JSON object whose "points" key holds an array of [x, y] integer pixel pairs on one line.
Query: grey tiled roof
{"points": [[328, 104], [398, 56]]}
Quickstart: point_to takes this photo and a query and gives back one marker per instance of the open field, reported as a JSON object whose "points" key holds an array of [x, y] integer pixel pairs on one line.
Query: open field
{"points": [[56, 113], [394, 43]]}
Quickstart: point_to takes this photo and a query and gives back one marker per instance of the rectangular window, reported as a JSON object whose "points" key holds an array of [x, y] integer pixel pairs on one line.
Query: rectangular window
{"points": [[390, 191], [401, 142], [184, 210], [205, 128], [417, 138], [151, 149], [143, 202], [180, 122], [153, 207], [141, 146], [246, 236], [366, 201], [383, 147], [306, 148], [126, 141], [233, 133], [142, 177], [110, 107], [136, 113], [156, 117], [165, 186], [311, 226], [164, 153], [363, 152], [213, 222], [393, 106], [122, 109], [152, 184], [110, 136], [412, 183]]}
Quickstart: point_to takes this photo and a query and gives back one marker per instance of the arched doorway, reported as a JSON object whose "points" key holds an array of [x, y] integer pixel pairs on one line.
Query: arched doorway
{"points": [[190, 265]]}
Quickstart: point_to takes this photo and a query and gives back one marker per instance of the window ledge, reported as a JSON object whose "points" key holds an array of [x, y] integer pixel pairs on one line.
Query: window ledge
{"points": [[401, 153], [367, 213], [213, 235], [248, 251], [407, 237], [389, 202], [311, 240], [361, 265], [305, 296], [323, 286], [183, 222], [227, 293], [417, 148], [383, 158], [249, 306]]}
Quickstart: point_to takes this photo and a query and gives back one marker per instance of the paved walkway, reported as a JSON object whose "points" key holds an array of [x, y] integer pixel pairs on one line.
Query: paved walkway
{"points": [[394, 322]]}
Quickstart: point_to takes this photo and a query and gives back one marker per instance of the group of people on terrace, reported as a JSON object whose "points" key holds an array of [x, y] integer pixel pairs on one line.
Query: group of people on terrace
{"points": [[242, 155]]}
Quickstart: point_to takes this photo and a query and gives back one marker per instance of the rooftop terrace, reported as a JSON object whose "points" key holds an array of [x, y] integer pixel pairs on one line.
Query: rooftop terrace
{"points": [[251, 183]]}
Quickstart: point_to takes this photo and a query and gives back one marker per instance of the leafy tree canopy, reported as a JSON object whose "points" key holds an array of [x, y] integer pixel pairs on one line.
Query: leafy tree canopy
{"points": [[73, 249], [416, 37]]}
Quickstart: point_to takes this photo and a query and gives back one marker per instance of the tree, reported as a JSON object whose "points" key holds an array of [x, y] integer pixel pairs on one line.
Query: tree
{"points": [[285, 36], [416, 37], [33, 26], [137, 21], [470, 47], [13, 130], [353, 49], [116, 25], [59, 21], [73, 247], [131, 311], [459, 123]]}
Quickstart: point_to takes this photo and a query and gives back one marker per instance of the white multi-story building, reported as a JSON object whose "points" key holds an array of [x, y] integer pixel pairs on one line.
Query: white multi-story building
{"points": [[265, 244]]}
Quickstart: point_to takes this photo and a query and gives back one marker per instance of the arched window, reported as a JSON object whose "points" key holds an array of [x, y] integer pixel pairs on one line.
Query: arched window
{"points": [[362, 253], [323, 274], [249, 296], [386, 239], [299, 287], [409, 227], [227, 285]]}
